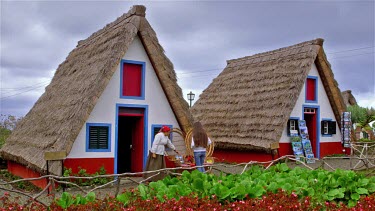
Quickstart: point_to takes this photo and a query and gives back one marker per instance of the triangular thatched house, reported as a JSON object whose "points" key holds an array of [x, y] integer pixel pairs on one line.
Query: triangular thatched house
{"points": [[104, 104], [250, 107], [359, 131]]}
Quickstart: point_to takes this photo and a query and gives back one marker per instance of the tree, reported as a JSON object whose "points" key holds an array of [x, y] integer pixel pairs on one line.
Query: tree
{"points": [[362, 117], [7, 124]]}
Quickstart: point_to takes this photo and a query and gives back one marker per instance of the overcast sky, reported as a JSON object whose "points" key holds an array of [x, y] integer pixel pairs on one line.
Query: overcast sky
{"points": [[198, 37]]}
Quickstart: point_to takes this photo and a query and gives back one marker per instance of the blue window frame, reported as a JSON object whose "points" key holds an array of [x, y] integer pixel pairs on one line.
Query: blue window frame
{"points": [[292, 125], [98, 137], [145, 135], [328, 127], [309, 90], [143, 79]]}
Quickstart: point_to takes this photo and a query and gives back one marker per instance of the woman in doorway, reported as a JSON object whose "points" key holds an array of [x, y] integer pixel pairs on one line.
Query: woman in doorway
{"points": [[155, 160], [200, 141]]}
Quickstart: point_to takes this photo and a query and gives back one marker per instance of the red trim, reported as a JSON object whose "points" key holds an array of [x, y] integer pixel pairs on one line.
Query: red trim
{"points": [[91, 165], [24, 172], [128, 114]]}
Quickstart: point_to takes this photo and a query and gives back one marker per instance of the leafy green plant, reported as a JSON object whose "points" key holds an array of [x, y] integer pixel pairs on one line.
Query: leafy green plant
{"points": [[83, 173], [320, 185], [66, 199], [22, 185]]}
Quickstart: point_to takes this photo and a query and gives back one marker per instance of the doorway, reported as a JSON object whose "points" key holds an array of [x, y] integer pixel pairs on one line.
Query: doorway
{"points": [[310, 116], [130, 140]]}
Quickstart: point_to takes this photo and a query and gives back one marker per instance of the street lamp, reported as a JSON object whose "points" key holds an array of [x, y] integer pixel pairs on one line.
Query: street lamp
{"points": [[190, 96]]}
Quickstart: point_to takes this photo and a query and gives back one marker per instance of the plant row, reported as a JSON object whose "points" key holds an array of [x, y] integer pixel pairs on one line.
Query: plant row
{"points": [[318, 187], [271, 201], [321, 185]]}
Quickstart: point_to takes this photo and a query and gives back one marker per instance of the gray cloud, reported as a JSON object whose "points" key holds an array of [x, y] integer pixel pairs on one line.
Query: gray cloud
{"points": [[197, 36]]}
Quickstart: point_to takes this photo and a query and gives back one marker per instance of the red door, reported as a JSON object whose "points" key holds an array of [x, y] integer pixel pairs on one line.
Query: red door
{"points": [[130, 140], [137, 149], [310, 118]]}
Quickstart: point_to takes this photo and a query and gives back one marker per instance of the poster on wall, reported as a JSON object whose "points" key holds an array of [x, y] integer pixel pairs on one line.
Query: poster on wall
{"points": [[303, 129], [310, 158], [307, 148], [346, 128], [306, 144], [298, 151]]}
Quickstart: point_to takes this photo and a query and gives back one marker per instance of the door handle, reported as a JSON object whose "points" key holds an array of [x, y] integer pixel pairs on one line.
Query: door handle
{"points": [[131, 146]]}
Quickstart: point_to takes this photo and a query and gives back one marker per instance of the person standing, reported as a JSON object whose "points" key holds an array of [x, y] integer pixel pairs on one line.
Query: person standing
{"points": [[155, 159], [200, 141]]}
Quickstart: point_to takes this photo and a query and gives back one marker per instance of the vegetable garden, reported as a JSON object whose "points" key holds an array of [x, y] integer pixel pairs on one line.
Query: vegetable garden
{"points": [[275, 188]]}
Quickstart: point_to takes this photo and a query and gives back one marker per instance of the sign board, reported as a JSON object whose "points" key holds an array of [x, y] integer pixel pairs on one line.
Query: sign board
{"points": [[275, 145], [57, 155]]}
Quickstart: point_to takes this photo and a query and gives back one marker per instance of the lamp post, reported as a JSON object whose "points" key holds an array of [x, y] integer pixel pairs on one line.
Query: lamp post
{"points": [[190, 96]]}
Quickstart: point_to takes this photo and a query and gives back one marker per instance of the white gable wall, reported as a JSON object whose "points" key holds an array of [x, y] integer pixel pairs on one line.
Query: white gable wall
{"points": [[159, 110], [325, 109]]}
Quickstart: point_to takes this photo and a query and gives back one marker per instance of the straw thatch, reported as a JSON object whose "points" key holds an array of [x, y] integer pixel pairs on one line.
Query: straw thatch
{"points": [[248, 105], [59, 114], [348, 98]]}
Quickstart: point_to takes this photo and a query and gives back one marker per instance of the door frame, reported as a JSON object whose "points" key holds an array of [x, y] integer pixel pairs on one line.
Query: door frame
{"points": [[145, 131], [317, 112]]}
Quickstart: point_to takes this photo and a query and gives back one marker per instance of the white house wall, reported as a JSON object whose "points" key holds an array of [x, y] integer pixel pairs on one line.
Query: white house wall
{"points": [[159, 110], [325, 109]]}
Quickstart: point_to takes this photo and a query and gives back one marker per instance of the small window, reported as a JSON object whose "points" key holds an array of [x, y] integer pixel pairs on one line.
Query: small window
{"points": [[155, 130], [325, 127], [365, 135], [292, 127], [328, 127], [132, 80], [98, 137], [309, 111], [311, 89]]}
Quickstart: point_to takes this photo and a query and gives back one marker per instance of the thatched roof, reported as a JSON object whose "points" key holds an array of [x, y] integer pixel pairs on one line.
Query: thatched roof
{"points": [[248, 105], [348, 97], [59, 114]]}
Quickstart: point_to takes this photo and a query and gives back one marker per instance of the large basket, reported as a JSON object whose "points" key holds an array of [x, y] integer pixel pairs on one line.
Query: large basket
{"points": [[189, 151], [171, 161]]}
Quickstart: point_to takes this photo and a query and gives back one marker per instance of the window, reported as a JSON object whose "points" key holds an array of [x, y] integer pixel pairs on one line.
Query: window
{"points": [[328, 127], [132, 80], [311, 89], [365, 135], [325, 127], [292, 127], [155, 130], [98, 137]]}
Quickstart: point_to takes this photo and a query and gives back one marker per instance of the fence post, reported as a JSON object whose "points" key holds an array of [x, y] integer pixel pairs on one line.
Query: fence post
{"points": [[118, 185]]}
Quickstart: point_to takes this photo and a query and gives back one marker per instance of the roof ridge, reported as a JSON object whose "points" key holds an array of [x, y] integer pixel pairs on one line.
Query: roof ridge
{"points": [[318, 41]]}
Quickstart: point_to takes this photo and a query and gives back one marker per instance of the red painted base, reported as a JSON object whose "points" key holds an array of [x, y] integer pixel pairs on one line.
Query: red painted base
{"points": [[24, 172], [330, 148], [240, 157], [91, 165], [326, 148]]}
